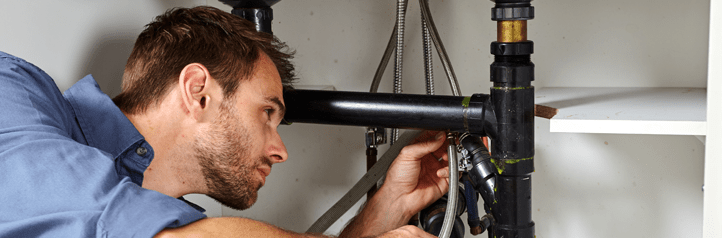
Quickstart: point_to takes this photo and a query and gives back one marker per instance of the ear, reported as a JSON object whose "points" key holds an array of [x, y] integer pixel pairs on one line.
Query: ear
{"points": [[198, 92]]}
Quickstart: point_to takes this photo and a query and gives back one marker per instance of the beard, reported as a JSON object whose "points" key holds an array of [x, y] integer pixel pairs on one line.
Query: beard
{"points": [[224, 157]]}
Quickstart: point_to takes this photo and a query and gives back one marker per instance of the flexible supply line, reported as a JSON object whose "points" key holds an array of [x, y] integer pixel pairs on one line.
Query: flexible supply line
{"points": [[455, 89], [428, 23], [390, 49], [428, 56], [398, 68], [450, 215], [427, 28], [400, 20]]}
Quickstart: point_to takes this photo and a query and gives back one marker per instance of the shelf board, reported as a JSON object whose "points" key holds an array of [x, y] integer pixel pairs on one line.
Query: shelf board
{"points": [[656, 111]]}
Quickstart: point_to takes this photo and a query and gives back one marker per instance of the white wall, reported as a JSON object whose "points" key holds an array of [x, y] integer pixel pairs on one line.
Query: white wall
{"points": [[585, 185]]}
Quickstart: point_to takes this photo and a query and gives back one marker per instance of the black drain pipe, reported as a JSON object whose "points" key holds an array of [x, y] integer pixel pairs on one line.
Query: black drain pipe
{"points": [[513, 99], [256, 11], [388, 110], [506, 116]]}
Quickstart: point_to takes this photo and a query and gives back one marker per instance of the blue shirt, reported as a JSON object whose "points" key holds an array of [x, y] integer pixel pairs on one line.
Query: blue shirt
{"points": [[71, 165]]}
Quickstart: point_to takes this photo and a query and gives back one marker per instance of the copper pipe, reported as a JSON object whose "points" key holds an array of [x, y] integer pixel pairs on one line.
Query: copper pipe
{"points": [[510, 31]]}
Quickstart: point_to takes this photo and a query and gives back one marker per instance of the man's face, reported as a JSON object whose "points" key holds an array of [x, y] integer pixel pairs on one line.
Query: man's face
{"points": [[238, 149]]}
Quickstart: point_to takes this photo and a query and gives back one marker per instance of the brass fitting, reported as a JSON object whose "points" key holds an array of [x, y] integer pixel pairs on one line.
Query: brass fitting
{"points": [[511, 31]]}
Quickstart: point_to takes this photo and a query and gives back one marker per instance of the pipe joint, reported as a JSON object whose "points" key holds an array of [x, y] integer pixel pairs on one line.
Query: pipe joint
{"points": [[511, 31], [512, 13], [512, 48], [510, 74]]}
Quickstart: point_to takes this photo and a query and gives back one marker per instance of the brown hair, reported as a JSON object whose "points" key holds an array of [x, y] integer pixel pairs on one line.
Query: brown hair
{"points": [[227, 45]]}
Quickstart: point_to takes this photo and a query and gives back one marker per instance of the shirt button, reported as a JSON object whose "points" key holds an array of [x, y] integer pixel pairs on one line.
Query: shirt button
{"points": [[141, 151]]}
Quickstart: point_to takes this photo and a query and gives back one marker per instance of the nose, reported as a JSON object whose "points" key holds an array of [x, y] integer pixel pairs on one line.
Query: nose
{"points": [[277, 150]]}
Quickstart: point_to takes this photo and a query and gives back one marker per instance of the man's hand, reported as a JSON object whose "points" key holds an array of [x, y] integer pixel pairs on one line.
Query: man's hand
{"points": [[419, 175], [415, 179], [406, 231]]}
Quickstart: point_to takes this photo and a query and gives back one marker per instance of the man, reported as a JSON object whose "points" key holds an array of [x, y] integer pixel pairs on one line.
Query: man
{"points": [[201, 98]]}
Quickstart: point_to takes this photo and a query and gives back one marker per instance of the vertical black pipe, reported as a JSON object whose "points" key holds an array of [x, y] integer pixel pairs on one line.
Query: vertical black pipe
{"points": [[257, 11], [513, 100]]}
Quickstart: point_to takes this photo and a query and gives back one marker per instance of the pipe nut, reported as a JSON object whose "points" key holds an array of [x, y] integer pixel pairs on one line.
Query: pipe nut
{"points": [[512, 13], [516, 48]]}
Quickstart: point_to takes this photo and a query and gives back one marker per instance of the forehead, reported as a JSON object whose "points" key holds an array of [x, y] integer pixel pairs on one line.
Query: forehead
{"points": [[264, 80]]}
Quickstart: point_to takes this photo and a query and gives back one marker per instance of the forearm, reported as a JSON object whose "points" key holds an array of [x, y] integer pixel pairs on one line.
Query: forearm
{"points": [[381, 214], [229, 227]]}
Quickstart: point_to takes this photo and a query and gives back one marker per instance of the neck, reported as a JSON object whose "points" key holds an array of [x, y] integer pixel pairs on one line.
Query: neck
{"points": [[173, 170]]}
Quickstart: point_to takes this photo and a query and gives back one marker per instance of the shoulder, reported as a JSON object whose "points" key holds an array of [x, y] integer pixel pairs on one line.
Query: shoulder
{"points": [[31, 100], [17, 70]]}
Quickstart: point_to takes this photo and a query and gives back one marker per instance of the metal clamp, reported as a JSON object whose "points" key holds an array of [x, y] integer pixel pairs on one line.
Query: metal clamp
{"points": [[375, 136]]}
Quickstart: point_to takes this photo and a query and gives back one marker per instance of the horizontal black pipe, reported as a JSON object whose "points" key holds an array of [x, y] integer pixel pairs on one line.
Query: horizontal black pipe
{"points": [[454, 113]]}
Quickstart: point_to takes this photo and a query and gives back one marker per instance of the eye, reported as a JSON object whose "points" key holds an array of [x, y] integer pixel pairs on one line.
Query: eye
{"points": [[269, 111]]}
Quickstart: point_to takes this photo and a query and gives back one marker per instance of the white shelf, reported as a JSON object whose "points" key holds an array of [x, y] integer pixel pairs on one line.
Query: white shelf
{"points": [[658, 111], [713, 152]]}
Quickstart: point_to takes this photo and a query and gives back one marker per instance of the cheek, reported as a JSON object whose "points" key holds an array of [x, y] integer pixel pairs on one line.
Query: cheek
{"points": [[260, 140], [252, 138], [252, 132]]}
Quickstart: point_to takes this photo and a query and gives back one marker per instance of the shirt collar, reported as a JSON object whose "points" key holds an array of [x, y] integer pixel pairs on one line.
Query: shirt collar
{"points": [[103, 124], [106, 127]]}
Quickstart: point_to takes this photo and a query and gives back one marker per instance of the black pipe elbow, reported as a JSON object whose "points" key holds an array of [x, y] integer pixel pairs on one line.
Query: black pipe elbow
{"points": [[482, 174], [480, 116]]}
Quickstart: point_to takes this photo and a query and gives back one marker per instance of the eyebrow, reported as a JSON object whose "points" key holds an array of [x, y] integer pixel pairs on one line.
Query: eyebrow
{"points": [[278, 103]]}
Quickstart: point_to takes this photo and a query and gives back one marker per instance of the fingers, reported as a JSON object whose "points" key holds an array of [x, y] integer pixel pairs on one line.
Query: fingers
{"points": [[443, 172], [425, 144], [426, 136]]}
